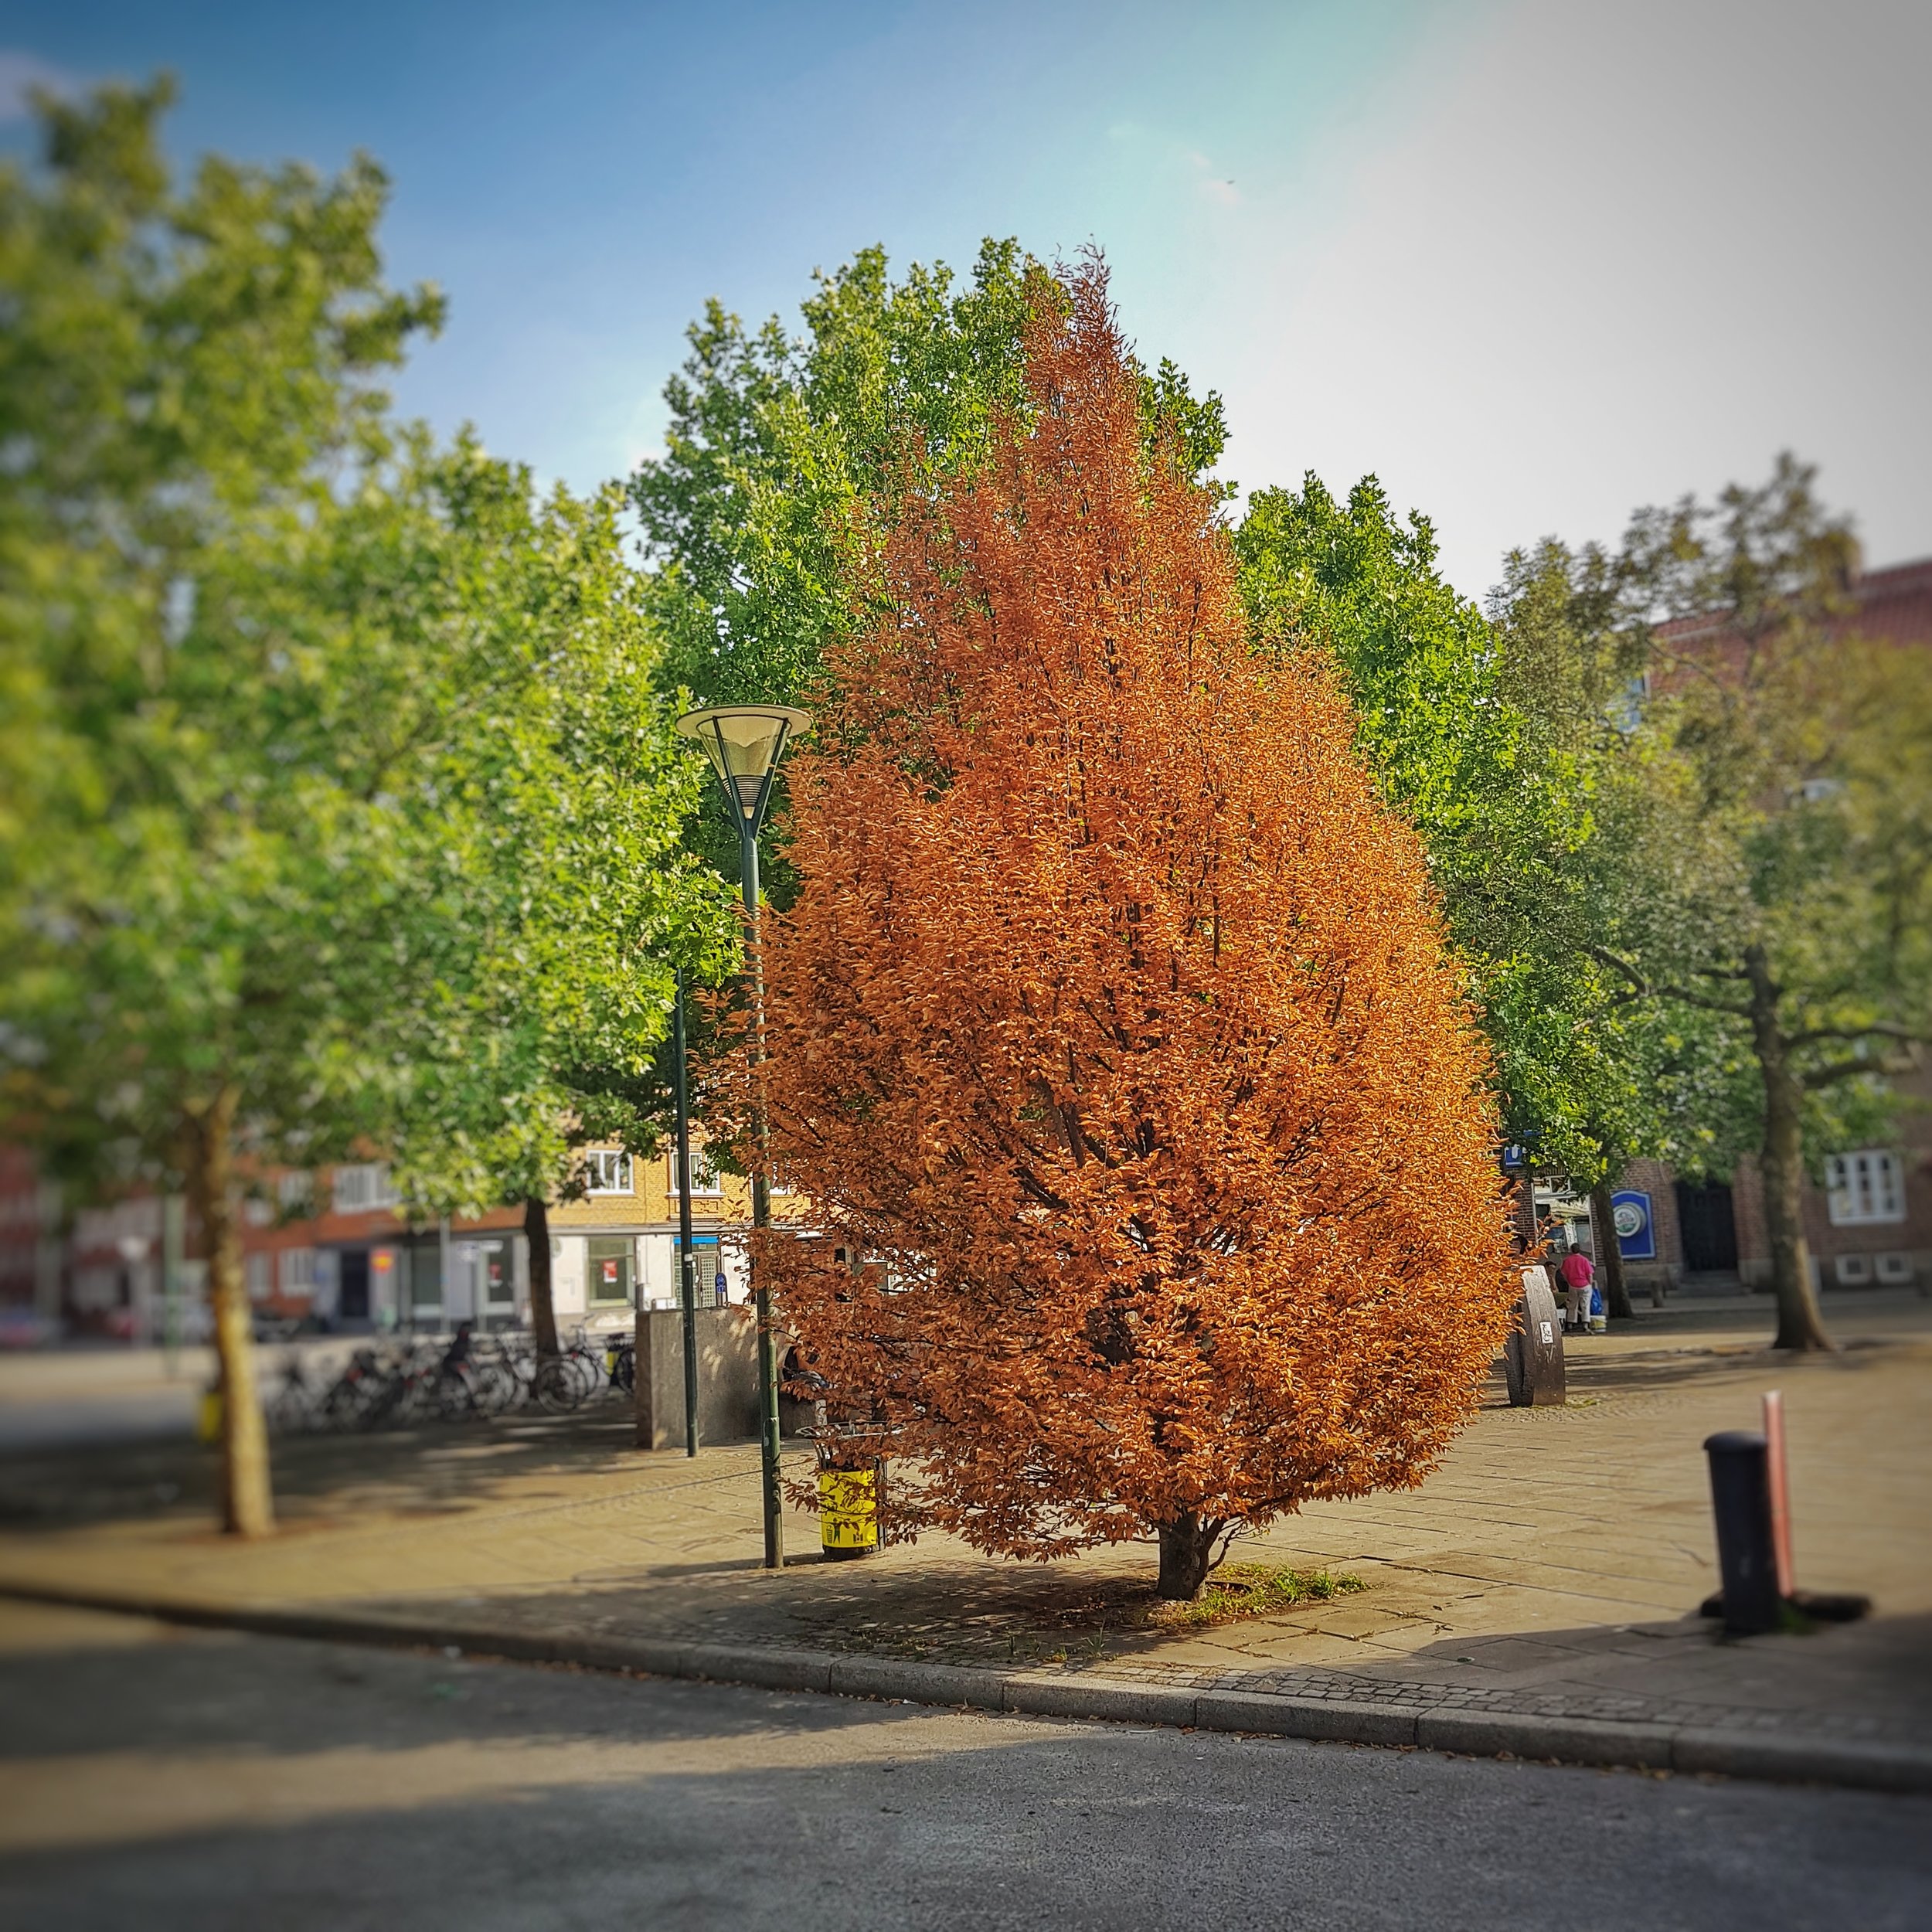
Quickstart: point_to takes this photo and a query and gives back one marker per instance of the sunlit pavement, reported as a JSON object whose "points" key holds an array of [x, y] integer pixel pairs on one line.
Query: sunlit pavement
{"points": [[155, 1779], [1550, 1565]]}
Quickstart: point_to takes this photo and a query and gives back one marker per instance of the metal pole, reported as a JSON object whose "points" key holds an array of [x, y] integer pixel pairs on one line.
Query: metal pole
{"points": [[173, 1219], [687, 1260], [761, 1218]]}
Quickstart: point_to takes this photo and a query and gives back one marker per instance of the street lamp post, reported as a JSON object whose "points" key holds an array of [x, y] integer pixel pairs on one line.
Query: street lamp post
{"points": [[687, 1260], [744, 742]]}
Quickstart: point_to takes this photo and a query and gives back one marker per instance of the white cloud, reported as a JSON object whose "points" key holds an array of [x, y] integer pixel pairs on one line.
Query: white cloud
{"points": [[1172, 158]]}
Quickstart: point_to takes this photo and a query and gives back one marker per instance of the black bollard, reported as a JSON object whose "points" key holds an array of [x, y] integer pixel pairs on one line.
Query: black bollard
{"points": [[1747, 1547]]}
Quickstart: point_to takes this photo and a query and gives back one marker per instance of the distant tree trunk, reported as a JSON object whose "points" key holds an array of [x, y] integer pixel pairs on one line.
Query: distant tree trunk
{"points": [[247, 1500], [536, 1232], [1799, 1325], [1609, 1252], [1187, 1550]]}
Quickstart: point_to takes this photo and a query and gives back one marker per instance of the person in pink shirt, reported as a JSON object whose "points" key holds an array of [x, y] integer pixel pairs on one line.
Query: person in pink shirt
{"points": [[1578, 1271]]}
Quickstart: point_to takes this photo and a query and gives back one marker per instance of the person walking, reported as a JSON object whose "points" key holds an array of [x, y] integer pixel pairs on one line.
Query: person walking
{"points": [[1578, 1272]]}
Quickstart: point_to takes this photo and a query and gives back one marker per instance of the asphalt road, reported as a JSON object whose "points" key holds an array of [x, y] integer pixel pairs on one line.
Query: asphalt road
{"points": [[160, 1779]]}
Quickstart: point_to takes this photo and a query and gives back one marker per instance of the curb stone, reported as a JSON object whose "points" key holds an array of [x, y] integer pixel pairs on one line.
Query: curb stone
{"points": [[1331, 1721], [1100, 1697], [1572, 1741], [923, 1683]]}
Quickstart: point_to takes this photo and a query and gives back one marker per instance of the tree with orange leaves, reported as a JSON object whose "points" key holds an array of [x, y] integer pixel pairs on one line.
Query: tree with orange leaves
{"points": [[1113, 1029]]}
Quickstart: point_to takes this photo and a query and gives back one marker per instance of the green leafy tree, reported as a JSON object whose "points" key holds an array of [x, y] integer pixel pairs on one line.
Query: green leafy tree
{"points": [[789, 454], [1467, 739], [348, 814], [541, 898], [1570, 669], [181, 369], [785, 451], [1797, 939]]}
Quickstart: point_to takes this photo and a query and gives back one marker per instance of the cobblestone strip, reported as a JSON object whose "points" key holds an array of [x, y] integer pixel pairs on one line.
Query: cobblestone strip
{"points": [[1615, 1707]]}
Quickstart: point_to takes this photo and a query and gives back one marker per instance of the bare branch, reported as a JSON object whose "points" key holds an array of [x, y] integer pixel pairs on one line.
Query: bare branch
{"points": [[1879, 1029], [1838, 1070]]}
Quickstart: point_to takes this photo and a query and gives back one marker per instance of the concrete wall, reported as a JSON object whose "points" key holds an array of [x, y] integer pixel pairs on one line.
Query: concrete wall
{"points": [[657, 1267], [727, 1377]]}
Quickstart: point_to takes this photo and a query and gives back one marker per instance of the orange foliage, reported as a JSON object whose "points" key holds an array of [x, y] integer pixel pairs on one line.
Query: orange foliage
{"points": [[1114, 1018]]}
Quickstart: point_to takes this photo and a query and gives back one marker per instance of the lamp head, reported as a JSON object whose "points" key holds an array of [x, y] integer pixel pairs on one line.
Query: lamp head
{"points": [[744, 742]]}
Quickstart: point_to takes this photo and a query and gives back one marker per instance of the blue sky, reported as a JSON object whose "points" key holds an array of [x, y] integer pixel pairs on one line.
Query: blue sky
{"points": [[1533, 261]]}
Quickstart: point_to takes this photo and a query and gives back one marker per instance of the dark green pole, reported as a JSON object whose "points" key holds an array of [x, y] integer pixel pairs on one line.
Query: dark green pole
{"points": [[761, 1218], [687, 1260]]}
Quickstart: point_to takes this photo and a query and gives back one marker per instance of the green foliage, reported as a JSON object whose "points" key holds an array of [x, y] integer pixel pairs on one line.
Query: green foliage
{"points": [[525, 795], [1801, 757], [784, 448], [335, 779], [179, 374], [1509, 803]]}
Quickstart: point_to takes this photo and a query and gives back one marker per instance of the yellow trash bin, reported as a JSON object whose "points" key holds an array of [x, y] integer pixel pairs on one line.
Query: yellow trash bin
{"points": [[208, 1416], [849, 1512]]}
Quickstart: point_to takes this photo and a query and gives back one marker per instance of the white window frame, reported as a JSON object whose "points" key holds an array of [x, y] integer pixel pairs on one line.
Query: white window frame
{"points": [[360, 1188], [706, 1182], [259, 1271], [298, 1270], [293, 1189], [1866, 1188], [608, 1171]]}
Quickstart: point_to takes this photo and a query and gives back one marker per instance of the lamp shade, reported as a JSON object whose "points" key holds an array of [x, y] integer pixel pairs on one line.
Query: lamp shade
{"points": [[744, 742]]}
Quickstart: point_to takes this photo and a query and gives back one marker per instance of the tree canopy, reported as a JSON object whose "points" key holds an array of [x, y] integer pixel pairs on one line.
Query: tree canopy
{"points": [[1520, 817], [785, 452], [1796, 936], [1113, 1026], [343, 804]]}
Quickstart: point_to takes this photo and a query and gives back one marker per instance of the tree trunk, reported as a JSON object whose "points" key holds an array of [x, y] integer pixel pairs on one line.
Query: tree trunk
{"points": [[536, 1232], [1610, 1253], [247, 1500], [1187, 1548], [1782, 1163]]}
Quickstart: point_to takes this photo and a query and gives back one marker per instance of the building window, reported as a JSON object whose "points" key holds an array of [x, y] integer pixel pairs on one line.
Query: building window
{"points": [[293, 1190], [360, 1190], [612, 1261], [704, 1175], [261, 1279], [298, 1271], [608, 1170], [1864, 1187]]}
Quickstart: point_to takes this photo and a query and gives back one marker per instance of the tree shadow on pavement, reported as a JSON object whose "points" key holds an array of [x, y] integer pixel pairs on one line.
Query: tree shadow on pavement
{"points": [[432, 1470]]}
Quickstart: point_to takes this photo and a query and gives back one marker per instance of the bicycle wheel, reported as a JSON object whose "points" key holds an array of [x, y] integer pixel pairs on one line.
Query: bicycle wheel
{"points": [[556, 1386], [494, 1387], [452, 1397]]}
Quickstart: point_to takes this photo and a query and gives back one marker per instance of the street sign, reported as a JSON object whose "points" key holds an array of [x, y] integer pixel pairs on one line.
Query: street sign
{"points": [[1636, 1233]]}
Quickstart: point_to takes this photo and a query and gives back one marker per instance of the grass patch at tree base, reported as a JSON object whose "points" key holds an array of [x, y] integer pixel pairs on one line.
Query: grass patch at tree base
{"points": [[1239, 1590]]}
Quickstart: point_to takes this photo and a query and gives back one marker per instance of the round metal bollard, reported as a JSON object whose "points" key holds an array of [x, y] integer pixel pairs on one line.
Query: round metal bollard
{"points": [[1747, 1547]]}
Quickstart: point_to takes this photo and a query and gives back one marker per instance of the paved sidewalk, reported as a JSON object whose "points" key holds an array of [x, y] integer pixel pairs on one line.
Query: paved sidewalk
{"points": [[1546, 1574]]}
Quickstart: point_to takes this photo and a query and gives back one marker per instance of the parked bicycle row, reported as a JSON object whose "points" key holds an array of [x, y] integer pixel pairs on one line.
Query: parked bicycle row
{"points": [[397, 1382]]}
